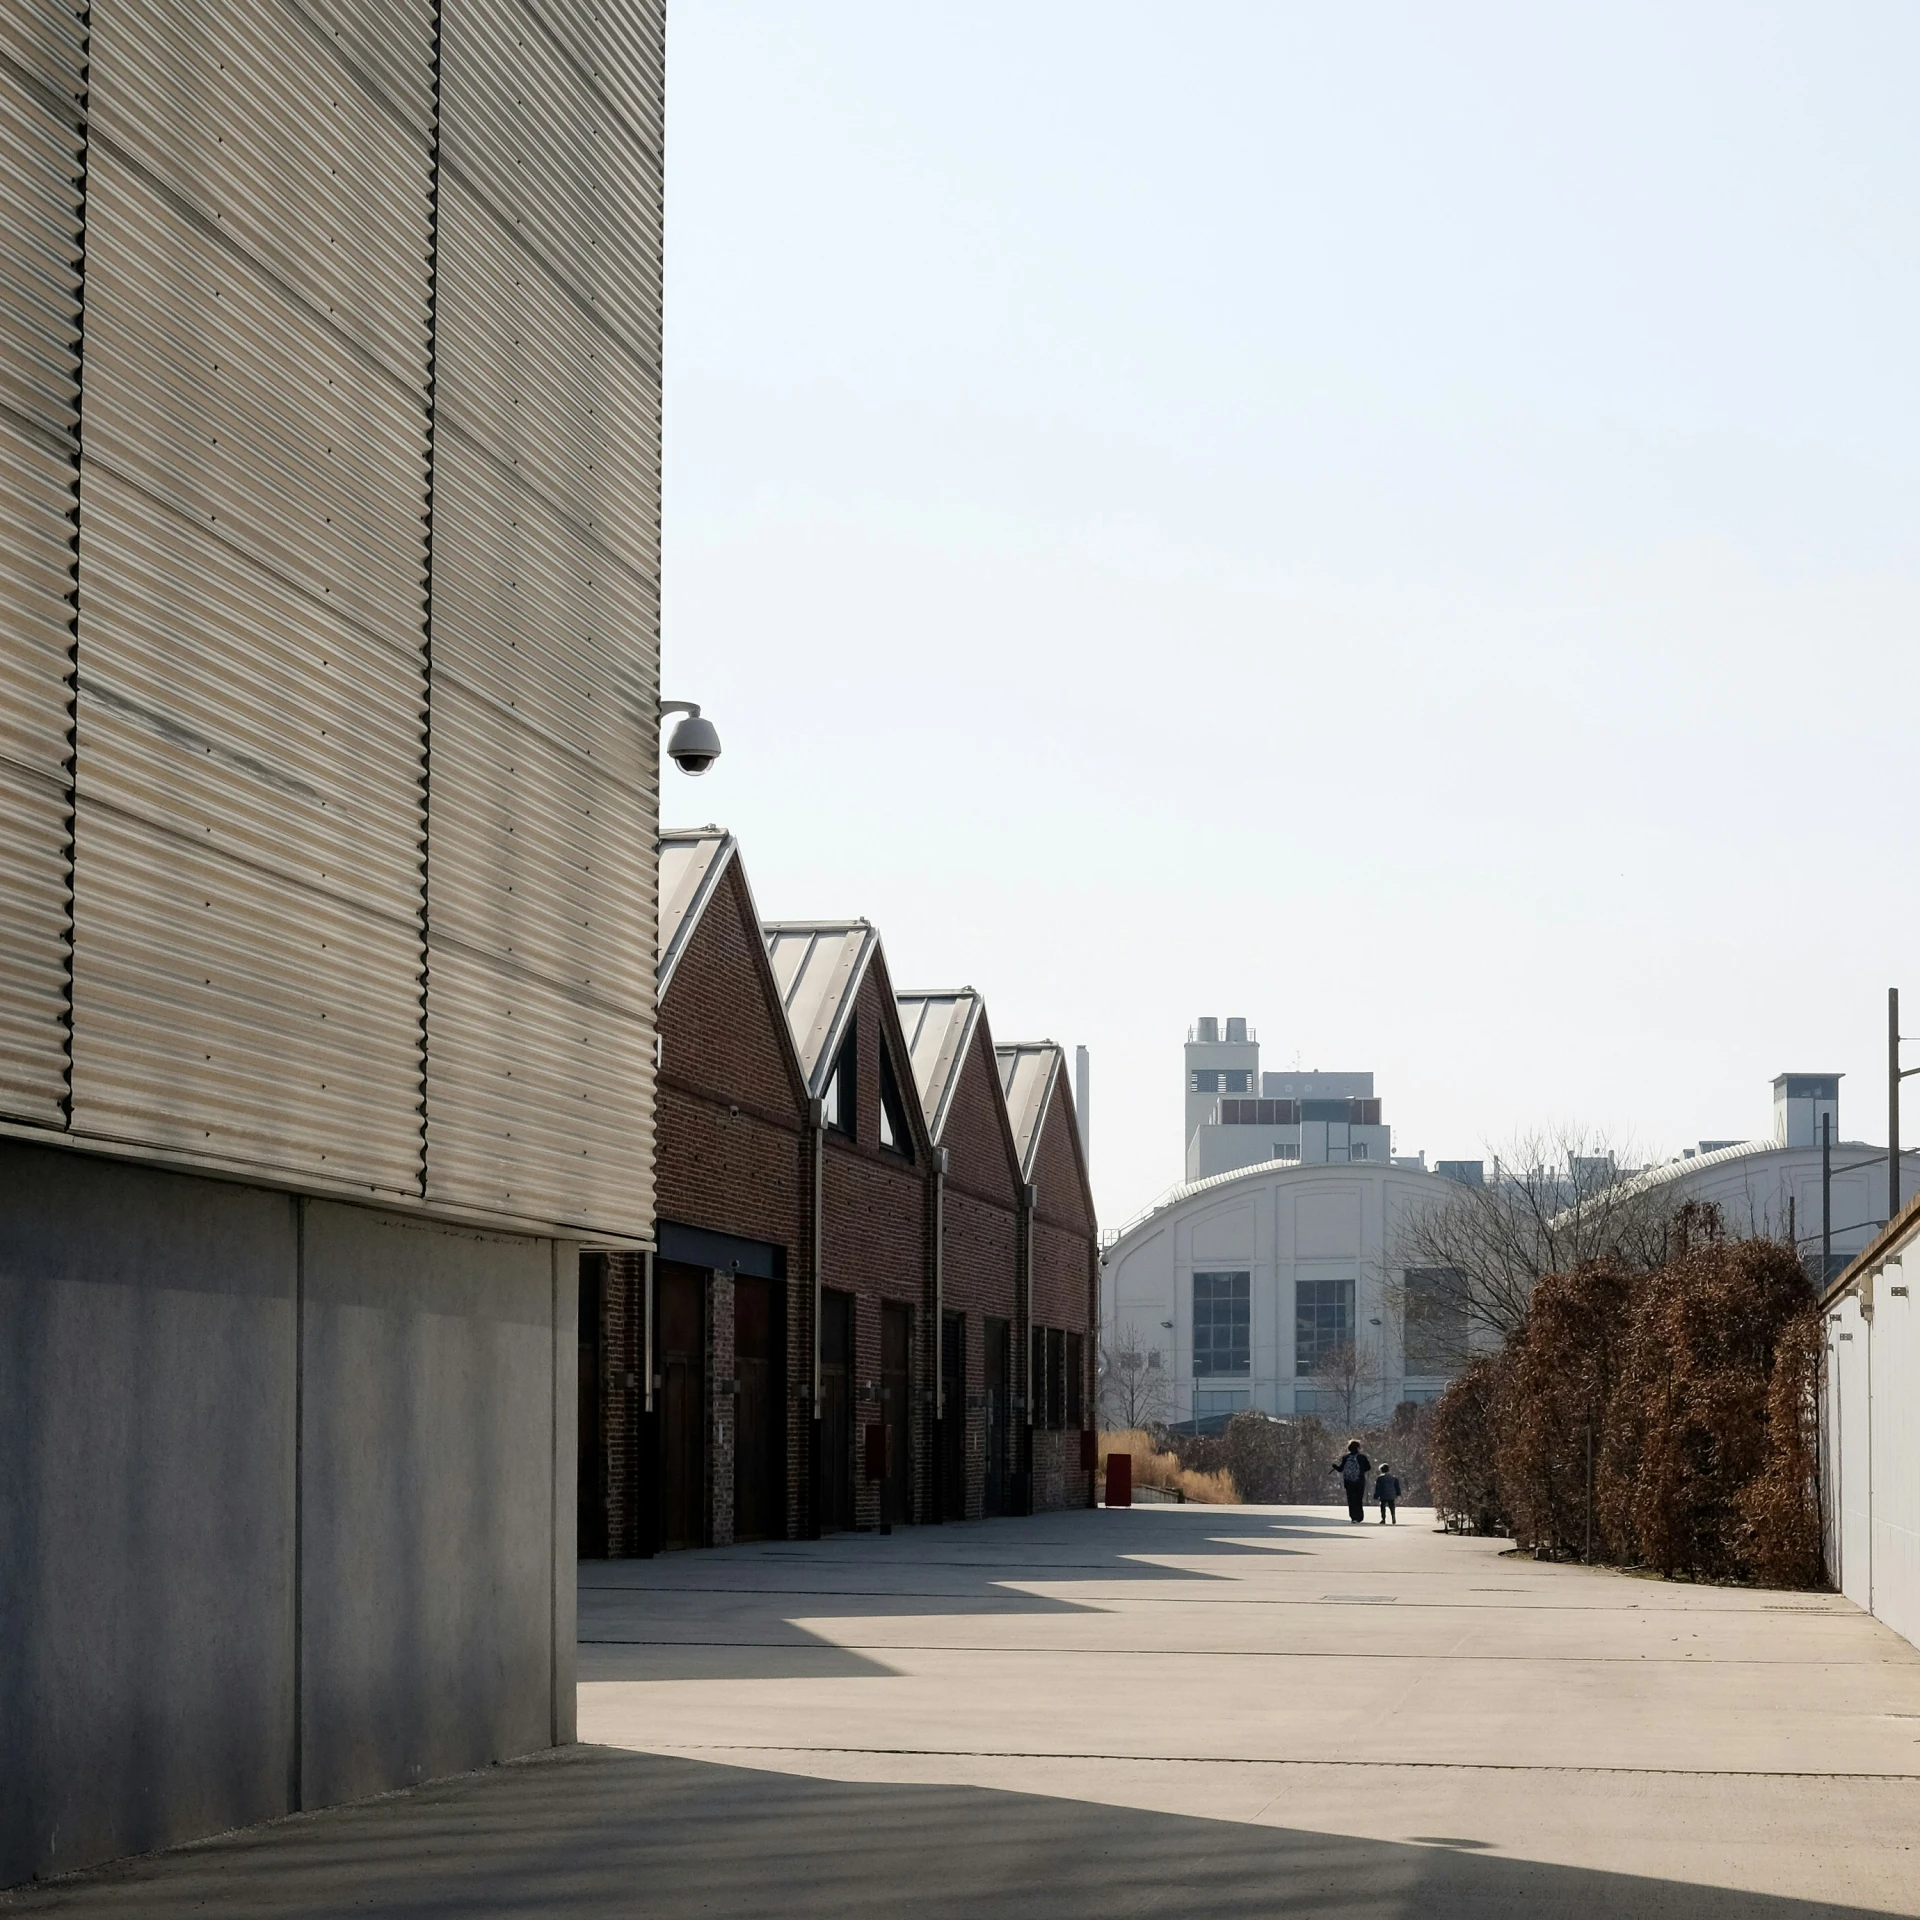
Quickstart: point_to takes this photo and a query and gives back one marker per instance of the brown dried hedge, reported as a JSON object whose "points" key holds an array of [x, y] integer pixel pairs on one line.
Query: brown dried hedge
{"points": [[1562, 1372], [1691, 1443], [1465, 1461], [1697, 1383]]}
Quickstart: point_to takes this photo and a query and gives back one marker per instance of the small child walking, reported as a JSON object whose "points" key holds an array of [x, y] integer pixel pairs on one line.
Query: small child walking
{"points": [[1386, 1489]]}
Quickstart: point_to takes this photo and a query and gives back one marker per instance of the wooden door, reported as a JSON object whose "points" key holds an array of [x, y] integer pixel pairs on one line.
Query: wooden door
{"points": [[953, 1420], [999, 1414], [896, 1412], [836, 1411], [760, 1429], [680, 1295]]}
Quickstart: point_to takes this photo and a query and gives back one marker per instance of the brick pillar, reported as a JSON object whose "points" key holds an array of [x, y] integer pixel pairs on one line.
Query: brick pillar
{"points": [[623, 1348], [721, 1404]]}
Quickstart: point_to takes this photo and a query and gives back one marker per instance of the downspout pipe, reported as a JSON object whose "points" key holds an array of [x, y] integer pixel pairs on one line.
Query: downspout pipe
{"points": [[942, 1494], [816, 1463], [1029, 1200], [646, 1455], [1090, 1365]]}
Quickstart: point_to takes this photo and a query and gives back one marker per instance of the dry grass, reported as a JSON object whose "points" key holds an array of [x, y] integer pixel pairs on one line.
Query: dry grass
{"points": [[1155, 1469]]}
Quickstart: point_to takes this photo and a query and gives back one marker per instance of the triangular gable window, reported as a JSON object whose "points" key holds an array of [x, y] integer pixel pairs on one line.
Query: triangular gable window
{"points": [[838, 1099], [896, 1132]]}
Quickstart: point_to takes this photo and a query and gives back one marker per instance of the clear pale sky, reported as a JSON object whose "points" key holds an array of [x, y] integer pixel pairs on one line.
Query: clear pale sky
{"points": [[1401, 522]]}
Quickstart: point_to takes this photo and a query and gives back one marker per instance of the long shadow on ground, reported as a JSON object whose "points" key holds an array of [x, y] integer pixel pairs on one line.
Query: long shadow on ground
{"points": [[590, 1832], [729, 1614]]}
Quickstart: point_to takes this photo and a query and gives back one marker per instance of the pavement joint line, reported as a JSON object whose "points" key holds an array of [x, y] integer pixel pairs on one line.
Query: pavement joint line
{"points": [[1366, 1655], [1191, 1600], [1257, 1760]]}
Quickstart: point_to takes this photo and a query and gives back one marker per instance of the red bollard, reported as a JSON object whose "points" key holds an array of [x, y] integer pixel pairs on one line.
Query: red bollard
{"points": [[1119, 1479]]}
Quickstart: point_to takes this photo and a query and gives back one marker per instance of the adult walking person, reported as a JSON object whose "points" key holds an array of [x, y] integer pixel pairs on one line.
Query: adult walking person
{"points": [[1353, 1469]]}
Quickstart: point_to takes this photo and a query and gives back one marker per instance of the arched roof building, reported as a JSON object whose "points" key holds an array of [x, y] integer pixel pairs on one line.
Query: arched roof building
{"points": [[1246, 1286]]}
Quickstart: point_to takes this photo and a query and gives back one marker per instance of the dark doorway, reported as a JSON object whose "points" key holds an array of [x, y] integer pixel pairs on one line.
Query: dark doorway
{"points": [[760, 1410], [680, 1294], [836, 1411], [590, 1504], [953, 1417], [999, 1414], [896, 1411]]}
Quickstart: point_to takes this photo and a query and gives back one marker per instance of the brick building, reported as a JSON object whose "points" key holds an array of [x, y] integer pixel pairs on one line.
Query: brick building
{"points": [[1060, 1274], [830, 1156], [874, 1176], [714, 1449], [978, 1221]]}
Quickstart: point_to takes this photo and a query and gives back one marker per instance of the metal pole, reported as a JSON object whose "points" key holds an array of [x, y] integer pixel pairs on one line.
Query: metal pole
{"points": [[1826, 1199], [816, 1465], [943, 1494], [1589, 1493], [1893, 1104]]}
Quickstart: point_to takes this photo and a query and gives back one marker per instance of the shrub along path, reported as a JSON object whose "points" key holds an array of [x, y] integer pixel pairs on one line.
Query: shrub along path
{"points": [[1174, 1710]]}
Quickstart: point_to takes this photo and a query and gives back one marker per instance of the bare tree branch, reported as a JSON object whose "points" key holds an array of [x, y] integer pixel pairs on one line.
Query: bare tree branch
{"points": [[1134, 1390], [1555, 1201], [1348, 1382]]}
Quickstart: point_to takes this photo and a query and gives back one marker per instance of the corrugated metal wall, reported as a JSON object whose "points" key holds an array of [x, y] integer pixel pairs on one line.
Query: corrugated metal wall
{"points": [[249, 899], [42, 160], [359, 750], [543, 768]]}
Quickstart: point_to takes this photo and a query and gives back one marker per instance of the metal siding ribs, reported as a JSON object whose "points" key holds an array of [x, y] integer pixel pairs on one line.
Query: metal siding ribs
{"points": [[542, 770], [329, 671], [249, 903], [42, 146]]}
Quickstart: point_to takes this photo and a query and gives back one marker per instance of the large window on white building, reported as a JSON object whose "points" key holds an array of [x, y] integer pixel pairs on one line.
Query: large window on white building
{"points": [[1322, 1323], [1436, 1327], [1222, 1324]]}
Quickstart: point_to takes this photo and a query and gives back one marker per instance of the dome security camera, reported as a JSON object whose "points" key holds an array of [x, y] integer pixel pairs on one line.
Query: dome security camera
{"points": [[694, 745]]}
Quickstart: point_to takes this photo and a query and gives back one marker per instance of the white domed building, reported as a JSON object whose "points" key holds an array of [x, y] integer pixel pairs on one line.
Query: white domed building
{"points": [[1240, 1290]]}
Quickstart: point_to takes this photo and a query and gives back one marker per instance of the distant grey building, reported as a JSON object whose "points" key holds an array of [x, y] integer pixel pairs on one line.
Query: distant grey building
{"points": [[1239, 1116], [329, 612]]}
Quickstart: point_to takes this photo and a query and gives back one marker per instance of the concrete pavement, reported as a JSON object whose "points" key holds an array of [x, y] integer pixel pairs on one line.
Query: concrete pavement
{"points": [[1164, 1711]]}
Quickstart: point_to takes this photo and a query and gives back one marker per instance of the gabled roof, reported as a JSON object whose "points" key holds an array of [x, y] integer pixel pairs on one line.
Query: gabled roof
{"points": [[692, 860], [818, 966], [938, 1026], [1029, 1072]]}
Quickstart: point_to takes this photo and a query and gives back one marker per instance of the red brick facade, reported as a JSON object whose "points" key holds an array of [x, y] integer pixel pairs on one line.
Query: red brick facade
{"points": [[1066, 1281], [980, 1263], [740, 1147], [878, 1239], [733, 1158]]}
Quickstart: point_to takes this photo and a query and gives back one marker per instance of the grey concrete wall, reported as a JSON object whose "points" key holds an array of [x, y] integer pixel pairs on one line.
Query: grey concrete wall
{"points": [[426, 1553], [146, 1507], [286, 1503]]}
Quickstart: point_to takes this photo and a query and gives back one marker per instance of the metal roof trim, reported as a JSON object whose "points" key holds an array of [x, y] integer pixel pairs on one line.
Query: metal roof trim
{"points": [[1894, 1234], [940, 1079], [1683, 1168], [819, 1044], [681, 910], [1030, 1118]]}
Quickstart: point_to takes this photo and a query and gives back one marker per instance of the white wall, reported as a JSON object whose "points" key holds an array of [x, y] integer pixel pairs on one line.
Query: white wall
{"points": [[1281, 1225], [1870, 1440]]}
